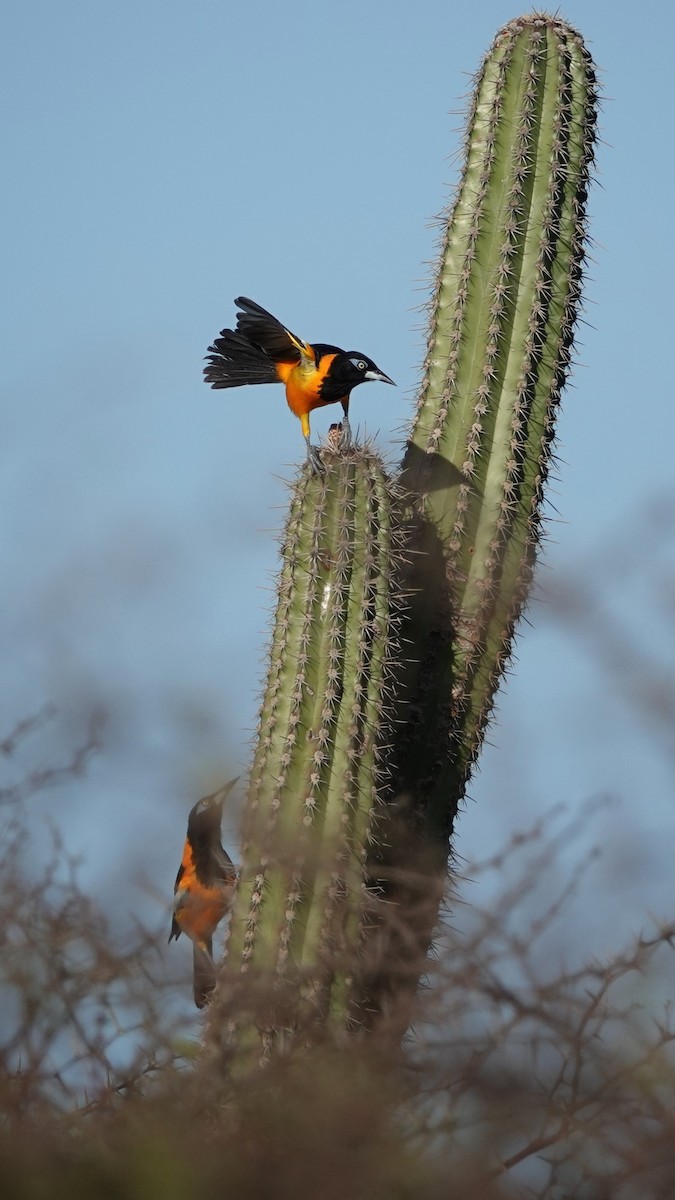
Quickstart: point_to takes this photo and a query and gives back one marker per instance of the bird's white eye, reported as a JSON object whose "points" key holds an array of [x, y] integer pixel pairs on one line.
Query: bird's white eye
{"points": [[204, 804], [358, 363]]}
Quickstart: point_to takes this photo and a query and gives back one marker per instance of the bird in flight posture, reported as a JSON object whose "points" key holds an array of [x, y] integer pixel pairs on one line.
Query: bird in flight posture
{"points": [[262, 350], [204, 888]]}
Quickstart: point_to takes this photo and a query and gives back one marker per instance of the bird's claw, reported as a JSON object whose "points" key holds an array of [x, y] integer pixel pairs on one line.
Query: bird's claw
{"points": [[314, 459]]}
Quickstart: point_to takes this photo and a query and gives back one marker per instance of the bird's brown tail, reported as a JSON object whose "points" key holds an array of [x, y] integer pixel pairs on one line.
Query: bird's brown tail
{"points": [[203, 973]]}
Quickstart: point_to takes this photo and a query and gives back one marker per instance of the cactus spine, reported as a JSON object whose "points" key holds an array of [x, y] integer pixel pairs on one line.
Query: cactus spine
{"points": [[505, 300], [314, 786]]}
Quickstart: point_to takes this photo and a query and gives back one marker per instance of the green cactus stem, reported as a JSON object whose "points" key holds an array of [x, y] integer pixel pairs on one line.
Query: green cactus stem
{"points": [[320, 827], [506, 297], [316, 780]]}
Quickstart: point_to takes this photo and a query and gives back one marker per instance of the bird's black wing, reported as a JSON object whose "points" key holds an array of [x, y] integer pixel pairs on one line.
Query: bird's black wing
{"points": [[175, 927], [259, 326]]}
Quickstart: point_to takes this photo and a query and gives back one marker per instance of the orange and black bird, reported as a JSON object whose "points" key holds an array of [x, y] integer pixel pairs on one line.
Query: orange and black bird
{"points": [[262, 350], [204, 888]]}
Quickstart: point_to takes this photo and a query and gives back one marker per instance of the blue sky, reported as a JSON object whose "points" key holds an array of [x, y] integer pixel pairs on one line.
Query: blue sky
{"points": [[163, 158]]}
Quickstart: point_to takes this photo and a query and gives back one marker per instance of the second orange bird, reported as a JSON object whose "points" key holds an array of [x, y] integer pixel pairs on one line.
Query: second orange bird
{"points": [[262, 350], [204, 888]]}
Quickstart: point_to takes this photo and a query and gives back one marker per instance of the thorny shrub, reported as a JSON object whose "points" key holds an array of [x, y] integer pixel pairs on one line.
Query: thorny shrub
{"points": [[517, 1078]]}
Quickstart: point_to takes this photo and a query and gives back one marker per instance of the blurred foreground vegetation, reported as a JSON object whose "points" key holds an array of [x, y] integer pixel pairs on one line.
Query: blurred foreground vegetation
{"points": [[519, 1077]]}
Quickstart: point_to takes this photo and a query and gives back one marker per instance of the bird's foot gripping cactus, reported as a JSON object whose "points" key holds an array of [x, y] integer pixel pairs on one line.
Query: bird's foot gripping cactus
{"points": [[316, 784]]}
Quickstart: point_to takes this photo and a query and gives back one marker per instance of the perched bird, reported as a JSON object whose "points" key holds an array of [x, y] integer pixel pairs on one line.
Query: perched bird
{"points": [[204, 888], [262, 350]]}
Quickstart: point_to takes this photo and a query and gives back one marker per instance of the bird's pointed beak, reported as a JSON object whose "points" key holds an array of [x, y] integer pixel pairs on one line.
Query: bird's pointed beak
{"points": [[221, 796], [379, 377]]}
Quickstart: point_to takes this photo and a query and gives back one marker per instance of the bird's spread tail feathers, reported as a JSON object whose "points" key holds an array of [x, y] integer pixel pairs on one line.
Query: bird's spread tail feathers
{"points": [[233, 361]]}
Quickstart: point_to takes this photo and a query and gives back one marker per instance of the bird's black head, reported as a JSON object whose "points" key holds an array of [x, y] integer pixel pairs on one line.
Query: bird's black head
{"points": [[347, 369], [206, 815], [204, 820]]}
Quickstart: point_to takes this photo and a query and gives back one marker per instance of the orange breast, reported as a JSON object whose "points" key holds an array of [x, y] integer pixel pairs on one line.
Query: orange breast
{"points": [[198, 913], [198, 909], [303, 384]]}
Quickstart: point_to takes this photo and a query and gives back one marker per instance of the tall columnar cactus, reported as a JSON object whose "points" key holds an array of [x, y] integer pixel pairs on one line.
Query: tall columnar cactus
{"points": [[315, 784], [505, 299]]}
